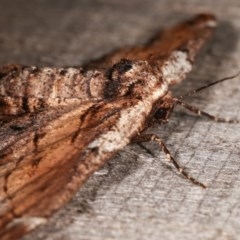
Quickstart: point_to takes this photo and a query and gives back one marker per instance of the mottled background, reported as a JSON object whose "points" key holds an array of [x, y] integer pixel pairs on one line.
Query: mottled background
{"points": [[138, 195]]}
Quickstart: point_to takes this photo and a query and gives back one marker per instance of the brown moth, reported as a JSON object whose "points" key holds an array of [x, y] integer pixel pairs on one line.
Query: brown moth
{"points": [[59, 125]]}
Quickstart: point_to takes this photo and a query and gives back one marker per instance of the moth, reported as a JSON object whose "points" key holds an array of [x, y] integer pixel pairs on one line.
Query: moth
{"points": [[59, 125]]}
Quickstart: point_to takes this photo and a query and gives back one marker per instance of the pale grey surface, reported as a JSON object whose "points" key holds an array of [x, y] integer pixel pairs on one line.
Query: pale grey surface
{"points": [[138, 195]]}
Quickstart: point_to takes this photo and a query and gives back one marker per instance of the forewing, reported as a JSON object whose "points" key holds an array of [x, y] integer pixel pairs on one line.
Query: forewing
{"points": [[45, 159]]}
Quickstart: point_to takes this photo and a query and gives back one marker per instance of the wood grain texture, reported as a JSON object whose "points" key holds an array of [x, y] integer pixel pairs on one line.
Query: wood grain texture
{"points": [[137, 196]]}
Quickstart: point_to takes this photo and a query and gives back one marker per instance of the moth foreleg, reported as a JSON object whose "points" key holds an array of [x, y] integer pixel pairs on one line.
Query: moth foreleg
{"points": [[156, 139], [202, 113]]}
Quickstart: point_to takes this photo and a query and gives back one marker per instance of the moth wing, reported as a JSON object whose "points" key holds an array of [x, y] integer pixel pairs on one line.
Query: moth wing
{"points": [[45, 159], [46, 156]]}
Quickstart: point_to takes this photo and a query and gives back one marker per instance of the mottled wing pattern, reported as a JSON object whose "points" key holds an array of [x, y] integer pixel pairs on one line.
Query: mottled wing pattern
{"points": [[58, 126]]}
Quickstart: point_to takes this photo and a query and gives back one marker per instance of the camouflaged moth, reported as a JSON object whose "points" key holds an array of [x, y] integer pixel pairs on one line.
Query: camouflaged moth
{"points": [[59, 125]]}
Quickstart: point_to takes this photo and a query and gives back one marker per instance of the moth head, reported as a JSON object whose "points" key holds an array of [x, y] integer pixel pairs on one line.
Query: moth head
{"points": [[164, 108]]}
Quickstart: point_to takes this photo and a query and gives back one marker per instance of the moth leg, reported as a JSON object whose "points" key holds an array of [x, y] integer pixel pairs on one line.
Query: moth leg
{"points": [[155, 138], [202, 113]]}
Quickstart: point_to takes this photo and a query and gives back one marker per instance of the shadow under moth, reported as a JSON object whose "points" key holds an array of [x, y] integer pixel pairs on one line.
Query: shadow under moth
{"points": [[59, 125]]}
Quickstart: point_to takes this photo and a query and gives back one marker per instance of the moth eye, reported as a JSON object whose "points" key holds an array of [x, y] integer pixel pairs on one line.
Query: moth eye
{"points": [[161, 113]]}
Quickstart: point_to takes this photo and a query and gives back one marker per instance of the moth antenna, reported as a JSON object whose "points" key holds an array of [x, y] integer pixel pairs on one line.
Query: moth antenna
{"points": [[209, 85], [203, 113]]}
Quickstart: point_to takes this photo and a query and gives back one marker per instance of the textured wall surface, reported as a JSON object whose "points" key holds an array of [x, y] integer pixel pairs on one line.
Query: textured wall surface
{"points": [[138, 195]]}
